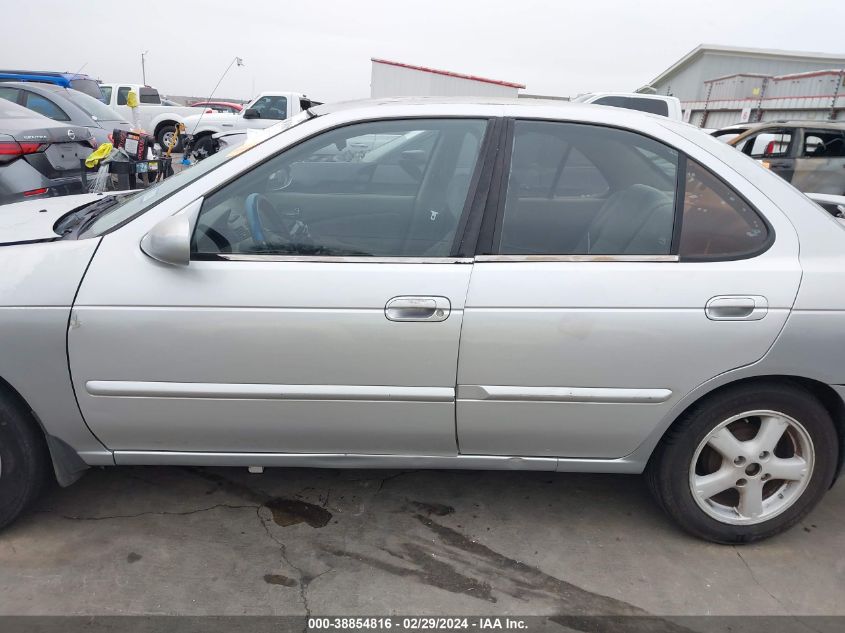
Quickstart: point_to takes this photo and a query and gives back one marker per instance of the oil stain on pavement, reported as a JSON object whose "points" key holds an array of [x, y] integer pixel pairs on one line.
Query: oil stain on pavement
{"points": [[287, 512]]}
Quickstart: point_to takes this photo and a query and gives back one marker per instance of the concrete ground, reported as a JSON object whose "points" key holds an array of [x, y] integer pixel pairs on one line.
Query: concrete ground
{"points": [[225, 542]]}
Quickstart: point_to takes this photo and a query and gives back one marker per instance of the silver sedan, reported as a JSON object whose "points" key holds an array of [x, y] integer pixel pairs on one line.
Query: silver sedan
{"points": [[437, 284]]}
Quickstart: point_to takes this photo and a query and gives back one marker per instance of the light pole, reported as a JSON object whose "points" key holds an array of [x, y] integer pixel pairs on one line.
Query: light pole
{"points": [[143, 68]]}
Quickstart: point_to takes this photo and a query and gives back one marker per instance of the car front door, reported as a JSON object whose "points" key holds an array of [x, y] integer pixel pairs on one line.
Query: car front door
{"points": [[320, 312], [774, 148], [271, 109], [619, 275]]}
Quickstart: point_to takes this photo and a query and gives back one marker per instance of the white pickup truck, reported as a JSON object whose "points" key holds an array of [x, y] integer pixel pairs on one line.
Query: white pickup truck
{"points": [[263, 111], [655, 104], [156, 118]]}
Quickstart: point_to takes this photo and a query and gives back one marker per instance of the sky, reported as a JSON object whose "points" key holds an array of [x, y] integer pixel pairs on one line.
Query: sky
{"points": [[323, 47]]}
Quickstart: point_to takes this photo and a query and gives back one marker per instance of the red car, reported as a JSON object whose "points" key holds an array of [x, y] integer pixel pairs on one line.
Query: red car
{"points": [[219, 106]]}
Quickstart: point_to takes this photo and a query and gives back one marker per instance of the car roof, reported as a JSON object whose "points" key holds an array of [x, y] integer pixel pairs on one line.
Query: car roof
{"points": [[833, 125], [37, 85], [460, 103], [552, 109], [757, 127], [637, 95], [228, 103]]}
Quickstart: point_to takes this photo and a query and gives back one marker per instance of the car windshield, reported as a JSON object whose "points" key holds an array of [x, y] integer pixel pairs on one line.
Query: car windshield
{"points": [[94, 108], [141, 202]]}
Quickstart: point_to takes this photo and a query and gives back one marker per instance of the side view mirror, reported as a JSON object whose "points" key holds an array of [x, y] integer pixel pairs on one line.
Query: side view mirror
{"points": [[417, 156], [252, 113], [169, 241]]}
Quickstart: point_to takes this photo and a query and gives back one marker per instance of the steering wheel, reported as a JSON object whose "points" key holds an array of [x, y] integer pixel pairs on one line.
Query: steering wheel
{"points": [[289, 227], [256, 204]]}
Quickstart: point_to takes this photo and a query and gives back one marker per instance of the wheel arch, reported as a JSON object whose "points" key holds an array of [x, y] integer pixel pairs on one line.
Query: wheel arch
{"points": [[163, 123], [824, 393], [68, 466]]}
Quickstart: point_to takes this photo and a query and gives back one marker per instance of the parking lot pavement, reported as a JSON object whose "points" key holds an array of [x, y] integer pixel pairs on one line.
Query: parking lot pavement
{"points": [[222, 541]]}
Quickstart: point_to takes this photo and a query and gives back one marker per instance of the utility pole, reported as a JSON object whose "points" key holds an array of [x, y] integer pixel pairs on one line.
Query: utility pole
{"points": [[143, 68]]}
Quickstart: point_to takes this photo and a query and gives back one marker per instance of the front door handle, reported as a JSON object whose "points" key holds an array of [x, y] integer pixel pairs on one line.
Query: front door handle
{"points": [[418, 308], [737, 308]]}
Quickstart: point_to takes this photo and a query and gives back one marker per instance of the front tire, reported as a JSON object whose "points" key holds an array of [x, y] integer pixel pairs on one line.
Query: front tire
{"points": [[24, 460], [164, 134], [203, 147], [746, 463]]}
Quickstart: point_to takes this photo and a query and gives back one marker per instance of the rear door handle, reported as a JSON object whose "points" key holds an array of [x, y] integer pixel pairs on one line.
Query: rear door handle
{"points": [[736, 308], [418, 308]]}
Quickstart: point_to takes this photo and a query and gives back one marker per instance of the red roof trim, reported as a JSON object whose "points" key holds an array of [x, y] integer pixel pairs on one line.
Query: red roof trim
{"points": [[802, 75], [723, 77], [811, 73], [447, 73]]}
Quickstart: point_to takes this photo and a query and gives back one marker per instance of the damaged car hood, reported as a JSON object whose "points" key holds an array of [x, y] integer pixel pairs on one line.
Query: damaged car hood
{"points": [[33, 220]]}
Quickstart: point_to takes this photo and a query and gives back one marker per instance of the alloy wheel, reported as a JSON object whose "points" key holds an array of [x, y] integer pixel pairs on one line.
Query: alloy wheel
{"points": [[751, 467]]}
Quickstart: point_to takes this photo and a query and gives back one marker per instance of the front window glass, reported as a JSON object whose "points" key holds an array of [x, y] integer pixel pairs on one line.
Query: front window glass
{"points": [[383, 189], [122, 95], [271, 107], [578, 189], [106, 90], [136, 204], [768, 144]]}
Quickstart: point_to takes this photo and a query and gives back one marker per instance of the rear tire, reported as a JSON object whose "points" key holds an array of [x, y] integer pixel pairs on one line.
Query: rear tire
{"points": [[687, 466], [24, 460]]}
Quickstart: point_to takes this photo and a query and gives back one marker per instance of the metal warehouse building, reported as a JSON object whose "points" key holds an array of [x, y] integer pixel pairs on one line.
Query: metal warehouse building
{"points": [[720, 85], [395, 79]]}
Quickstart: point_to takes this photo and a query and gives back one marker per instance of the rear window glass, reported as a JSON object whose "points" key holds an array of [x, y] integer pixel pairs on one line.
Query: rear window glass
{"points": [[717, 222], [88, 86], [149, 95], [94, 108], [824, 144], [652, 106], [44, 106], [576, 189]]}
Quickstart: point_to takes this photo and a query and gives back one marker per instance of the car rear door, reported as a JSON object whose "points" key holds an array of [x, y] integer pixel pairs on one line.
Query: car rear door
{"points": [[290, 331], [820, 165], [592, 312]]}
